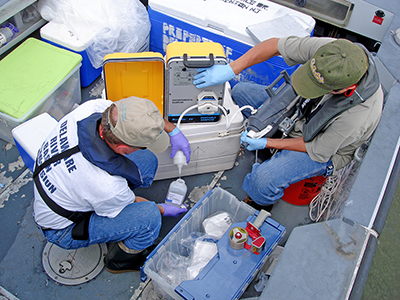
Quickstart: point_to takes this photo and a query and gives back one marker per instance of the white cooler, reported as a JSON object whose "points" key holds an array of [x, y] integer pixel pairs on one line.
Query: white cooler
{"points": [[214, 147], [59, 35], [30, 135]]}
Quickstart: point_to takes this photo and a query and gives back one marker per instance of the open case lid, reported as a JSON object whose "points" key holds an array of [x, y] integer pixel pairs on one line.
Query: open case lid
{"points": [[135, 74]]}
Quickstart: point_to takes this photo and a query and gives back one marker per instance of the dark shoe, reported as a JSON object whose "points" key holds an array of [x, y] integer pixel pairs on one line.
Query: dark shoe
{"points": [[119, 261], [256, 206]]}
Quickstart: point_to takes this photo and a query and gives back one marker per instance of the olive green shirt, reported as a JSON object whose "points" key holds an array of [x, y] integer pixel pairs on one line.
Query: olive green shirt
{"points": [[346, 132]]}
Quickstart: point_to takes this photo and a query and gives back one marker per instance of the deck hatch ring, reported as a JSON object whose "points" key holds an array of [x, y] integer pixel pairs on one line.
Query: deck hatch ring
{"points": [[73, 267]]}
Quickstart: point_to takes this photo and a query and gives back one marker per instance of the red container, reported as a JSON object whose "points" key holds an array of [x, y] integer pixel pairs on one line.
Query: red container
{"points": [[302, 192]]}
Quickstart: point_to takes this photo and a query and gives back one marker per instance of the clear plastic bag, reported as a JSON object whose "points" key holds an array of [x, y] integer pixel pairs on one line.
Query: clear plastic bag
{"points": [[202, 253], [200, 248], [217, 224], [176, 268], [172, 267], [117, 26], [193, 237]]}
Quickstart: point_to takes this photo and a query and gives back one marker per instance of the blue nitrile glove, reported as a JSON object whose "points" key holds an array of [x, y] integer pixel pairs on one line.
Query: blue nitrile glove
{"points": [[173, 211], [179, 142], [253, 144], [215, 75]]}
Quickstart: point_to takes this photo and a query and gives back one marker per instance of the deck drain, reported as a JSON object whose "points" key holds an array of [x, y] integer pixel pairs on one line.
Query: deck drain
{"points": [[73, 267]]}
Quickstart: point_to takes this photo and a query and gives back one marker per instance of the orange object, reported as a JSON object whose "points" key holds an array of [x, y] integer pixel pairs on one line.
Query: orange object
{"points": [[135, 74], [302, 192]]}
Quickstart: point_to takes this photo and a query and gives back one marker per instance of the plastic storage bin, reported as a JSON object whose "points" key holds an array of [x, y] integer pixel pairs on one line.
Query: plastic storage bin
{"points": [[230, 271], [36, 78], [59, 35], [230, 23], [30, 135]]}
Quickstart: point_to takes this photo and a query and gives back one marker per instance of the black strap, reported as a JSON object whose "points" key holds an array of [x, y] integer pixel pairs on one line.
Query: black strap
{"points": [[80, 230], [55, 158]]}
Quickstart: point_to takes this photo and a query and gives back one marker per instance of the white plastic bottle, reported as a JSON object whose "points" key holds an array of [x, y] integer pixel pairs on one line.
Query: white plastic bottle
{"points": [[180, 160], [7, 32], [5, 35], [176, 192]]}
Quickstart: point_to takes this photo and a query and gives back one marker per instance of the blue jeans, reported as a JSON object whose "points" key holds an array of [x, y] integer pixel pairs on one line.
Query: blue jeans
{"points": [[249, 93], [138, 224], [267, 181]]}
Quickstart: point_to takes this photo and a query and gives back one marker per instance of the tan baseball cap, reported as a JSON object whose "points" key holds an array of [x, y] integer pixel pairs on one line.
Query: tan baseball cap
{"points": [[140, 124], [335, 66]]}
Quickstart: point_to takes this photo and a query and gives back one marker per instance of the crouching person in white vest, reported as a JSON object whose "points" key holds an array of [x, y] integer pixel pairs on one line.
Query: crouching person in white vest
{"points": [[85, 174]]}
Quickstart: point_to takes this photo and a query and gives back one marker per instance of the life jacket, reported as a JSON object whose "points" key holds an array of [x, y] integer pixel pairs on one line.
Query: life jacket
{"points": [[96, 151], [334, 106]]}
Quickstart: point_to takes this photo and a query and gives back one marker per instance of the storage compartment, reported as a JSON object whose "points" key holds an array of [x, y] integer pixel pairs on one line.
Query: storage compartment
{"points": [[59, 35], [37, 77], [24, 16], [337, 12], [225, 22], [228, 273], [355, 20]]}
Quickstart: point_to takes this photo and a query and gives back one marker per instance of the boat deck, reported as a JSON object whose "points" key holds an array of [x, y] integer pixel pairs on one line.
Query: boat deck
{"points": [[370, 195]]}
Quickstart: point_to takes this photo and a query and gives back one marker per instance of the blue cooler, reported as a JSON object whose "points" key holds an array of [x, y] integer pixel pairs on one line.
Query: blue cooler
{"points": [[59, 35], [229, 271], [233, 24]]}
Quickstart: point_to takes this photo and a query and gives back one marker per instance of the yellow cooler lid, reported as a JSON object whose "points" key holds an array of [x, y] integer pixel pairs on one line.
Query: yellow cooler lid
{"points": [[31, 73], [135, 74]]}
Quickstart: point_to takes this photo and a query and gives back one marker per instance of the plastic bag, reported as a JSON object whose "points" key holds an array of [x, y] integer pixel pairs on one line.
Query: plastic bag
{"points": [[114, 26], [216, 224], [189, 241], [202, 253], [172, 267]]}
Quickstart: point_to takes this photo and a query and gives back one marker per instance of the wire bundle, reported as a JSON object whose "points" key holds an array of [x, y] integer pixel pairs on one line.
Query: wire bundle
{"points": [[323, 204]]}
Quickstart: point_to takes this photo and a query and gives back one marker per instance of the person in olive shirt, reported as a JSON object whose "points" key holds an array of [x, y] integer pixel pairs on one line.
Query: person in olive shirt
{"points": [[343, 78]]}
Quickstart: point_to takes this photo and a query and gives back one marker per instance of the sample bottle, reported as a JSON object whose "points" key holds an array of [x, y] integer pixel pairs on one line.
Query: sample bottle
{"points": [[7, 33], [176, 192], [180, 160]]}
